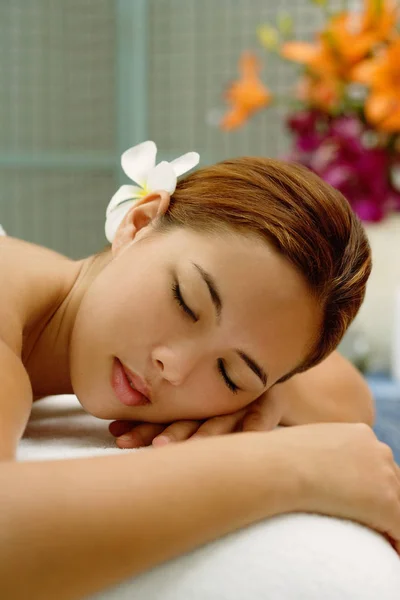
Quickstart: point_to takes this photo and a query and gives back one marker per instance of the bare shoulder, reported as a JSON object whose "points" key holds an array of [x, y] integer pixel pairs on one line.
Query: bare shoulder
{"points": [[30, 283]]}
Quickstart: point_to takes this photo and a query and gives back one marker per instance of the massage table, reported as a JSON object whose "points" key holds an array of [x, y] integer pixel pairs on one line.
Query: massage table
{"points": [[290, 557]]}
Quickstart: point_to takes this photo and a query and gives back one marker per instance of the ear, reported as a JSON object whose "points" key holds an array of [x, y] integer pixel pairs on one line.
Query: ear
{"points": [[139, 219]]}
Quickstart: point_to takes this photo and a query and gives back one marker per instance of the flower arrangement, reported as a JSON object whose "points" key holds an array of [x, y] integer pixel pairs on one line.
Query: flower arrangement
{"points": [[346, 123]]}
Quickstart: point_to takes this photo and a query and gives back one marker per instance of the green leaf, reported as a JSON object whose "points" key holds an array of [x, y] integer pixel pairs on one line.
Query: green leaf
{"points": [[285, 24], [268, 36]]}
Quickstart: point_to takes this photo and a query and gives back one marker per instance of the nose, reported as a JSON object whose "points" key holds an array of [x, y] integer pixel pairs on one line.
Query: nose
{"points": [[175, 365]]}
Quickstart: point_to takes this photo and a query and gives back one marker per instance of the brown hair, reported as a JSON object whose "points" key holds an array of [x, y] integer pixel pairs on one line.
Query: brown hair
{"points": [[303, 217]]}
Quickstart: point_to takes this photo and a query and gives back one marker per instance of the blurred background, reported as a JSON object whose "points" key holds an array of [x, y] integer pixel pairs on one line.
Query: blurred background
{"points": [[83, 80]]}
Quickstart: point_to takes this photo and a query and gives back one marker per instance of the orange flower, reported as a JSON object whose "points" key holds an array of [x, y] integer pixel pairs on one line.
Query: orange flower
{"points": [[380, 17], [247, 95], [321, 92], [354, 35], [318, 56], [322, 84], [347, 39], [382, 75]]}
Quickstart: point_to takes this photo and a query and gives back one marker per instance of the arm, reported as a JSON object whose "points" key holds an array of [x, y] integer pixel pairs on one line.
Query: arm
{"points": [[15, 401], [74, 527], [334, 390]]}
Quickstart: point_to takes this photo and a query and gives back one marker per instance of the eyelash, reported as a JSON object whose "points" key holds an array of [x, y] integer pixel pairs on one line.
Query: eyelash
{"points": [[176, 291], [232, 386]]}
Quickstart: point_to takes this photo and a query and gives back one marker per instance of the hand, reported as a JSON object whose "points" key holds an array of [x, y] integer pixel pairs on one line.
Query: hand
{"points": [[345, 472], [261, 415]]}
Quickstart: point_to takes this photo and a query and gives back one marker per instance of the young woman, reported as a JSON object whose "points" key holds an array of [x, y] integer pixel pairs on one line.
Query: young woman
{"points": [[220, 298]]}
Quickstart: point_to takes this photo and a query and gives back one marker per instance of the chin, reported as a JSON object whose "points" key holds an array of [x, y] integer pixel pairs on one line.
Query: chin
{"points": [[95, 408]]}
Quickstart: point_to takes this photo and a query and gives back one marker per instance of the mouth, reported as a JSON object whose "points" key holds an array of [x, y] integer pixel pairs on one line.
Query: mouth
{"points": [[129, 388]]}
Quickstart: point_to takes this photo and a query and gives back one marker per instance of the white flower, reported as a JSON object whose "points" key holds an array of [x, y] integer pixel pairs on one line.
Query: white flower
{"points": [[139, 163]]}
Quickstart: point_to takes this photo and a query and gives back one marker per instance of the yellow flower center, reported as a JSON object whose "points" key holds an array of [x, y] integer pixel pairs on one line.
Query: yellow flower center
{"points": [[144, 191]]}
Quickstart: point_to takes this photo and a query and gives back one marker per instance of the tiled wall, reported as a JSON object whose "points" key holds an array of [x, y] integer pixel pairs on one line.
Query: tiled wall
{"points": [[66, 93], [57, 120]]}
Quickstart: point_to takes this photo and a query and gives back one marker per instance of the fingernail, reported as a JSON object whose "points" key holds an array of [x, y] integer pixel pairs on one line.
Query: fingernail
{"points": [[127, 441], [161, 440], [125, 438]]}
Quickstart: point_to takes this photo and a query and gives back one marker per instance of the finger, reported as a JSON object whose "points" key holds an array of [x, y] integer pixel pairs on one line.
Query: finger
{"points": [[389, 539], [220, 425], [263, 415], [393, 511], [117, 428], [177, 432], [393, 531], [141, 435]]}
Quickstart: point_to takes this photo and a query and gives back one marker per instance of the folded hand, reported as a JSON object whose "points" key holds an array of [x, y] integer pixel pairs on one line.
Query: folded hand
{"points": [[261, 415]]}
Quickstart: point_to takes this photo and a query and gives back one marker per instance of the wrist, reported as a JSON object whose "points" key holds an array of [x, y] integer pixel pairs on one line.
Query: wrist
{"points": [[287, 482], [298, 485]]}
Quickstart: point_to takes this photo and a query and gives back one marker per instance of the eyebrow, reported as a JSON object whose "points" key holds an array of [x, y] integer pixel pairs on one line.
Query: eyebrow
{"points": [[217, 302]]}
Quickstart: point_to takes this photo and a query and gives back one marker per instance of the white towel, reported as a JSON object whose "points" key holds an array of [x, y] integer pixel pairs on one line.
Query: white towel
{"points": [[60, 428], [292, 557], [2, 232]]}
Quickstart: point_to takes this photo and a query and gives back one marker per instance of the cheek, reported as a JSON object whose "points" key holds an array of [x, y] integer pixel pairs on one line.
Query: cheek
{"points": [[133, 304], [149, 318], [204, 396]]}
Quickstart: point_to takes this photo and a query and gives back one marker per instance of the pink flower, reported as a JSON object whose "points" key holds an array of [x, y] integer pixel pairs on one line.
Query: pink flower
{"points": [[334, 148]]}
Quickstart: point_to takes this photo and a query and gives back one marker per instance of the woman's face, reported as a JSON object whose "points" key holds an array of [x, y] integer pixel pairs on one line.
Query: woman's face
{"points": [[200, 317]]}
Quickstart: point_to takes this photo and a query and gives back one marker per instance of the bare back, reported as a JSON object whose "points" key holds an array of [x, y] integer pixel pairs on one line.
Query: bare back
{"points": [[31, 286]]}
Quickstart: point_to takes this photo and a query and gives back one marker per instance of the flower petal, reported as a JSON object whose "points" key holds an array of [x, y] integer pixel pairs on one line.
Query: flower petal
{"points": [[137, 162], [378, 107], [392, 122], [368, 209], [235, 117], [162, 177], [303, 52], [185, 162], [125, 192], [115, 218], [364, 72]]}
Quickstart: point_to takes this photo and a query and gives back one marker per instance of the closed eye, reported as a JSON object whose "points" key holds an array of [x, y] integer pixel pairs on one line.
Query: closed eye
{"points": [[232, 386], [176, 291]]}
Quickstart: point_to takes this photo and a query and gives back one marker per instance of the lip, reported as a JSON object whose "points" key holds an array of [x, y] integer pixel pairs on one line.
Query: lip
{"points": [[138, 383], [122, 389]]}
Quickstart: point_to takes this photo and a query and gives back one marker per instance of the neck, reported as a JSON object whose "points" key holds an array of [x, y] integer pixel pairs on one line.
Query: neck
{"points": [[50, 374]]}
